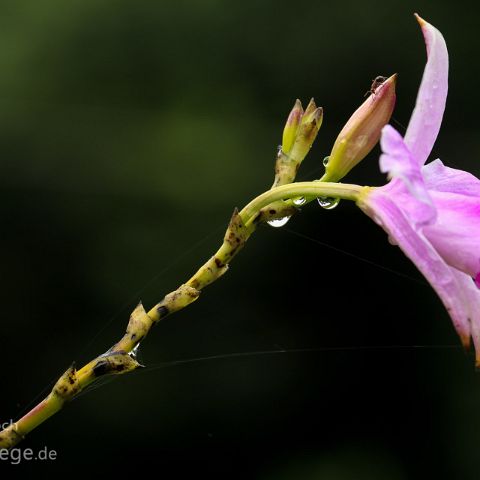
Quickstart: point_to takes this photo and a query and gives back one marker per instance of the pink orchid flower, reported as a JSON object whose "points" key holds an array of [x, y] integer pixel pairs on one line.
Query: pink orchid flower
{"points": [[432, 211]]}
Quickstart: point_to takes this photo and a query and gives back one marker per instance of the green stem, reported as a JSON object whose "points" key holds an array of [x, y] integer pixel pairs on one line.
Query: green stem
{"points": [[300, 189], [118, 359]]}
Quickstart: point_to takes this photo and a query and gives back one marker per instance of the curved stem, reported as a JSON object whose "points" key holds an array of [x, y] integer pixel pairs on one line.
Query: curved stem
{"points": [[120, 358], [300, 189]]}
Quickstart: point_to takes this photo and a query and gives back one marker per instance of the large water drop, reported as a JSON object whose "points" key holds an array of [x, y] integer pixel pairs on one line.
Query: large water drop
{"points": [[328, 203], [299, 201], [278, 222]]}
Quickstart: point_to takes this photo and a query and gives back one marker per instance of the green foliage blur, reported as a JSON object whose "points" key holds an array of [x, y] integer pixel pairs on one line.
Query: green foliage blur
{"points": [[129, 130]]}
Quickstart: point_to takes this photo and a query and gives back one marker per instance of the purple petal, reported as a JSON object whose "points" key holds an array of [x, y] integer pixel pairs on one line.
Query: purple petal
{"points": [[445, 179], [410, 192], [472, 305], [427, 116], [456, 231], [416, 247]]}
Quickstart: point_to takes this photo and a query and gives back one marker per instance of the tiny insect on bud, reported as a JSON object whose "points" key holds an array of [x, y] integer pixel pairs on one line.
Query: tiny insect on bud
{"points": [[362, 131], [376, 82]]}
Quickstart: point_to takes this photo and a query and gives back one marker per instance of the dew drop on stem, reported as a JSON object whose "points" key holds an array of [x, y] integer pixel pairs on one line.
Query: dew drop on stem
{"points": [[278, 222], [328, 203], [299, 201]]}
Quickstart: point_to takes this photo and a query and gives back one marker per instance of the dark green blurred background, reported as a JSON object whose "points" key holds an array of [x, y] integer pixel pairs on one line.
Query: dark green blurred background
{"points": [[129, 130]]}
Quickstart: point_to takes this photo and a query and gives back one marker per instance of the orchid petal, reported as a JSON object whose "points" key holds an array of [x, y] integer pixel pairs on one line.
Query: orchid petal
{"points": [[427, 116], [416, 247], [432, 211], [472, 304], [445, 179], [456, 232], [398, 162]]}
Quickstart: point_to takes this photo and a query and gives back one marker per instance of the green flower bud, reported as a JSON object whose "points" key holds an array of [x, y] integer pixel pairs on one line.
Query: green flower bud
{"points": [[291, 127], [298, 136], [310, 123]]}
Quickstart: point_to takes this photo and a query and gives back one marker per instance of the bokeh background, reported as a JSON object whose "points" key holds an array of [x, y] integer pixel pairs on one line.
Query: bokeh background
{"points": [[128, 133]]}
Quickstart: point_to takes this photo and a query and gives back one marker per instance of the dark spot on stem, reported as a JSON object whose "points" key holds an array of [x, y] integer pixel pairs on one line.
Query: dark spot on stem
{"points": [[101, 368], [163, 311]]}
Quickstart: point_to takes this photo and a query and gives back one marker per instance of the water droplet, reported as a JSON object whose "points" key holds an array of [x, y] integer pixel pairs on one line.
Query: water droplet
{"points": [[134, 352], [328, 203], [325, 161], [278, 222], [299, 201]]}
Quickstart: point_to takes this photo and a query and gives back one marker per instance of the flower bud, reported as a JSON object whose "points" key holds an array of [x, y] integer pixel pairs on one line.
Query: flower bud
{"points": [[298, 136], [291, 127], [362, 131], [310, 124]]}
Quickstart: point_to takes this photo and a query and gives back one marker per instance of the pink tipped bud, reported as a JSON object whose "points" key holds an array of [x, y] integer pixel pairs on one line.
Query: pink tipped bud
{"points": [[362, 131], [311, 107], [310, 124], [298, 136], [291, 127]]}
